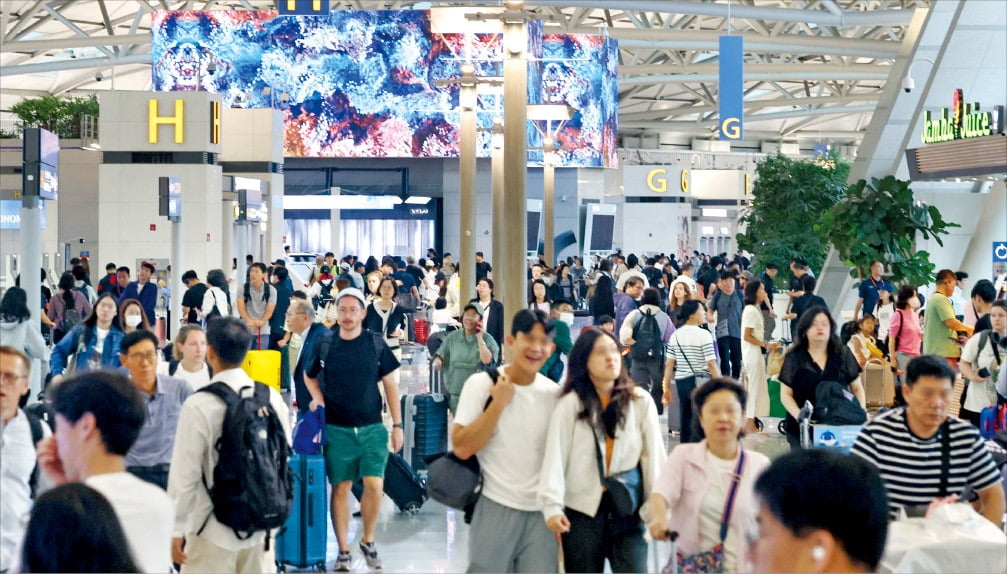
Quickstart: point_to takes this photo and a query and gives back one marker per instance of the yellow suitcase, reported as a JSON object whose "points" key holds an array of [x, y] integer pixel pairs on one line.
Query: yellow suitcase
{"points": [[264, 367]]}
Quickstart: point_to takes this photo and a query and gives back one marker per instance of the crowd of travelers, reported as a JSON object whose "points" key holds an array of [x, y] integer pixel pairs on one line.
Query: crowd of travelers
{"points": [[144, 457]]}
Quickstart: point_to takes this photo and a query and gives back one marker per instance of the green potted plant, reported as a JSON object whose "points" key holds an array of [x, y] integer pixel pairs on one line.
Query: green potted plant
{"points": [[62, 116], [878, 221], [790, 194]]}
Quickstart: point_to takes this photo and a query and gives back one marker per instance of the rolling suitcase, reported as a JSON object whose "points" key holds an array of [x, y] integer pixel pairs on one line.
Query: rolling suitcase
{"points": [[264, 367], [879, 384], [406, 489], [425, 423], [301, 542]]}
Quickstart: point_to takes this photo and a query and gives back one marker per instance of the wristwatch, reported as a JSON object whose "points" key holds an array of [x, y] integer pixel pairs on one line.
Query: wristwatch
{"points": [[397, 426]]}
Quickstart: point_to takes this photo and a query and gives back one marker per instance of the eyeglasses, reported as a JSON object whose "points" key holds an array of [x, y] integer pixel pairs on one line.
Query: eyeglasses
{"points": [[11, 378], [145, 357]]}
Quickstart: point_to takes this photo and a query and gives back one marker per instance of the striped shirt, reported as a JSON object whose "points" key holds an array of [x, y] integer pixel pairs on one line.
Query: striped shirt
{"points": [[691, 345], [911, 466]]}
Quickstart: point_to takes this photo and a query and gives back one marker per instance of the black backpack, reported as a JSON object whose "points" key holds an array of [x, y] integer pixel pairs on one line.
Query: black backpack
{"points": [[35, 425], [252, 482], [326, 292], [836, 405], [647, 334], [248, 292]]}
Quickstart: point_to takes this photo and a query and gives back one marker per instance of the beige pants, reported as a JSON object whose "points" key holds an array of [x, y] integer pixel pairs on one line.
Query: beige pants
{"points": [[203, 556]]}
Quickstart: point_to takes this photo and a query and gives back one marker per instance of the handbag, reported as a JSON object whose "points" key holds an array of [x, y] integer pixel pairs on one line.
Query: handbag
{"points": [[711, 560], [71, 361], [457, 482], [625, 489]]}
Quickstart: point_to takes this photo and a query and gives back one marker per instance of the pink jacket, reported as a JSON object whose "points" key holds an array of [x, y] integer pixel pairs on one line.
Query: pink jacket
{"points": [[683, 484]]}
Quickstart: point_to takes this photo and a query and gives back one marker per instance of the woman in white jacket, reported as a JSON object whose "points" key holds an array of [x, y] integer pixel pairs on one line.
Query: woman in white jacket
{"points": [[602, 415]]}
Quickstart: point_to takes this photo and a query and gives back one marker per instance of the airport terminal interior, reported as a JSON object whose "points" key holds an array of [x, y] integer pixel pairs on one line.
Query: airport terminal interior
{"points": [[599, 162]]}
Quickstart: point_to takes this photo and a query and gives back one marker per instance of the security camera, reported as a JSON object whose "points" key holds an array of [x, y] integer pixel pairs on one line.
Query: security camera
{"points": [[98, 76], [211, 68], [908, 84]]}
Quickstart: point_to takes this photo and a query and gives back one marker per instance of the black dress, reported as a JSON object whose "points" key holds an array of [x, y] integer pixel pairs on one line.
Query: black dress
{"points": [[802, 374]]}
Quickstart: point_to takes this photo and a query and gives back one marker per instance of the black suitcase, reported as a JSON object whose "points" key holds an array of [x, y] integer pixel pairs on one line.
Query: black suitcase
{"points": [[406, 489]]}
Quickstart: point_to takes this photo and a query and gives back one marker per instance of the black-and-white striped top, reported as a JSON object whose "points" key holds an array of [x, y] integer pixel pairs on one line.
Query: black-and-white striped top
{"points": [[691, 345], [911, 466]]}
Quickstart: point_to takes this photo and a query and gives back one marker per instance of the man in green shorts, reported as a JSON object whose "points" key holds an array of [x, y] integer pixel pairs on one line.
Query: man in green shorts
{"points": [[357, 441]]}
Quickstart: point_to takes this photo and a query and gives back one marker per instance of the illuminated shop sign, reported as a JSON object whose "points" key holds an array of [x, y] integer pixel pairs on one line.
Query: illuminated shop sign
{"points": [[962, 121]]}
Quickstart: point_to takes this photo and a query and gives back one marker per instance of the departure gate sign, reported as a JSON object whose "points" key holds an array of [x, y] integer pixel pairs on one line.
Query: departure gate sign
{"points": [[962, 121]]}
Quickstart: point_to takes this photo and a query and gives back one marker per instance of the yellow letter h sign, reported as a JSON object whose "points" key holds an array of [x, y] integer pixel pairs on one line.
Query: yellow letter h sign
{"points": [[154, 121]]}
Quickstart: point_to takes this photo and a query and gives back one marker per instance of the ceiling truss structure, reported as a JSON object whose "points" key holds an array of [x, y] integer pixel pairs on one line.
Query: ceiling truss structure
{"points": [[813, 68]]}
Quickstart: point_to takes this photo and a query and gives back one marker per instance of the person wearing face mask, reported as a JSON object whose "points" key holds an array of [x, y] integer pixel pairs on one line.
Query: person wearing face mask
{"points": [[465, 352], [132, 316], [647, 346], [905, 334], [143, 290], [562, 314], [93, 344]]}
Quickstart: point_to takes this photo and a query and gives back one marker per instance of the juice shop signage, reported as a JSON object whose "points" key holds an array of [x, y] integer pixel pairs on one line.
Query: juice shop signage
{"points": [[962, 121]]}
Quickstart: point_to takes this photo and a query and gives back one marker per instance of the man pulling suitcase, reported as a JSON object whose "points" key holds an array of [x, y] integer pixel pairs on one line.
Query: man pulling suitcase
{"points": [[357, 439]]}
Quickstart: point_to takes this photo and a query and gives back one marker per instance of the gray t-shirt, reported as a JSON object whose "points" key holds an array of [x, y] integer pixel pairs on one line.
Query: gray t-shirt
{"points": [[255, 305], [728, 309]]}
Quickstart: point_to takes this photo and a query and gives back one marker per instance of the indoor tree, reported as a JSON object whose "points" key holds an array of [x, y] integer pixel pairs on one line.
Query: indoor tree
{"points": [[878, 221], [789, 196]]}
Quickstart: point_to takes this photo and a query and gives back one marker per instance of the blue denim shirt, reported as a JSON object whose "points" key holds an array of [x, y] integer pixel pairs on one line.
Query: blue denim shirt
{"points": [[156, 441], [68, 346]]}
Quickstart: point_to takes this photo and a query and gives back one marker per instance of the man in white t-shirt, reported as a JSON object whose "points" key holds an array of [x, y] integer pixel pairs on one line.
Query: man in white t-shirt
{"points": [[509, 435], [98, 417]]}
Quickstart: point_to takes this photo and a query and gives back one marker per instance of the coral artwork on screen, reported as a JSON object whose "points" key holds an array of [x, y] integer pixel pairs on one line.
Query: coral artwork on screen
{"points": [[365, 83]]}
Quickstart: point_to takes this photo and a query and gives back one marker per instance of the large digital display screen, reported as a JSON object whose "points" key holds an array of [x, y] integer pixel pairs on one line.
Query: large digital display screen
{"points": [[603, 232], [365, 83]]}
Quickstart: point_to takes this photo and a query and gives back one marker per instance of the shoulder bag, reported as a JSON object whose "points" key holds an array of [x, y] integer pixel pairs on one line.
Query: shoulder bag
{"points": [[625, 488], [691, 379], [711, 560], [71, 361], [457, 482]]}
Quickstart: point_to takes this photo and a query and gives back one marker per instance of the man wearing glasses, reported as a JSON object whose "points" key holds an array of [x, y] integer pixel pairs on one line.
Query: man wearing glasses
{"points": [[150, 456], [941, 329], [20, 434]]}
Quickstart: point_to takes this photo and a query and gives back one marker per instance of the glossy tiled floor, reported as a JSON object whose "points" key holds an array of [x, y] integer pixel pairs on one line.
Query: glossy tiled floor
{"points": [[436, 539]]}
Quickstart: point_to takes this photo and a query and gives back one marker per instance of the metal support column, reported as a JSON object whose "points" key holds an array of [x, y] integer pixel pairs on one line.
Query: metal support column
{"points": [[467, 171], [549, 211], [515, 165]]}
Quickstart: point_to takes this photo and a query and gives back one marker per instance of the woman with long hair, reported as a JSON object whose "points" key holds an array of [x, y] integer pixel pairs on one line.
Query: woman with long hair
{"points": [[493, 310], [68, 298], [679, 295], [753, 362], [131, 316], [817, 355], [94, 344], [539, 296], [564, 285], [603, 425], [73, 528], [15, 325], [706, 489]]}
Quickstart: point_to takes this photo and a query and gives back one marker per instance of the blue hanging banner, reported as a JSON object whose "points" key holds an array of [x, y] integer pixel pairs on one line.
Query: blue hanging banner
{"points": [[732, 88], [303, 7]]}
